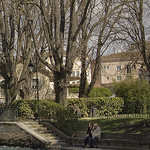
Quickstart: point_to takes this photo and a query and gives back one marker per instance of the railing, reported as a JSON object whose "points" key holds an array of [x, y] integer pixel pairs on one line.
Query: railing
{"points": [[8, 114], [113, 113]]}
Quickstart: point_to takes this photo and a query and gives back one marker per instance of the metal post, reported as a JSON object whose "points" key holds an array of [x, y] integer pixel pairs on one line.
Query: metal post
{"points": [[37, 87], [30, 68]]}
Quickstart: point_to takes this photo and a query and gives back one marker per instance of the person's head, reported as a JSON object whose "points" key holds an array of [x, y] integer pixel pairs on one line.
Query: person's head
{"points": [[91, 124], [96, 125]]}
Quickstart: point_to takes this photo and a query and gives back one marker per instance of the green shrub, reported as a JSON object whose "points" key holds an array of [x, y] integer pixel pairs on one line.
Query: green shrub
{"points": [[61, 117], [24, 110], [136, 95], [66, 120], [73, 90], [105, 105], [100, 92]]}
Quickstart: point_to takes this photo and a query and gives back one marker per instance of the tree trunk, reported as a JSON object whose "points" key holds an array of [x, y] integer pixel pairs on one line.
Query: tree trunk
{"points": [[83, 79], [60, 86], [10, 93]]}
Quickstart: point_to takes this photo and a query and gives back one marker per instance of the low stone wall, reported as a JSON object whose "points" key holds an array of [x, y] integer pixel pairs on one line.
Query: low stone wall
{"points": [[11, 135], [116, 140]]}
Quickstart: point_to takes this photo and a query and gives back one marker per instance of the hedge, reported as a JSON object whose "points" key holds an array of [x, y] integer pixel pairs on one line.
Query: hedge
{"points": [[136, 95], [104, 105], [61, 117]]}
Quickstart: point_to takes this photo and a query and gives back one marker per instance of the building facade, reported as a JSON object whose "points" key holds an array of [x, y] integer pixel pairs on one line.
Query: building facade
{"points": [[46, 84], [118, 67]]}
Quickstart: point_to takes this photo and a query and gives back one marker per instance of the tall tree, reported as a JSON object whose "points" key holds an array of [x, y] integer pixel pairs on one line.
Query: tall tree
{"points": [[99, 28], [132, 27], [60, 22], [15, 48]]}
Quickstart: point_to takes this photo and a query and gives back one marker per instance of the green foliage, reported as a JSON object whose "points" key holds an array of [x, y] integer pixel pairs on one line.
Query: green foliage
{"points": [[100, 92], [24, 109], [136, 95], [73, 88], [105, 105], [66, 120], [62, 117]]}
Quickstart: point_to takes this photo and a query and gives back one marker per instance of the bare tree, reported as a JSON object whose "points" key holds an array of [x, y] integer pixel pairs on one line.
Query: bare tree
{"points": [[101, 29], [15, 48], [132, 28], [60, 22]]}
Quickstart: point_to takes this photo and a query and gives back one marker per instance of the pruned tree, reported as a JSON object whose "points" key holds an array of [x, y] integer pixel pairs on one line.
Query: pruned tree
{"points": [[132, 28], [60, 22], [98, 33], [15, 48]]}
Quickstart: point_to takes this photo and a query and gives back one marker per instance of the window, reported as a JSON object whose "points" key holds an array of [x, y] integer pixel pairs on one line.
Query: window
{"points": [[134, 66], [77, 73], [34, 84], [1, 93], [118, 68], [119, 78], [73, 73], [128, 68], [106, 67], [107, 77]]}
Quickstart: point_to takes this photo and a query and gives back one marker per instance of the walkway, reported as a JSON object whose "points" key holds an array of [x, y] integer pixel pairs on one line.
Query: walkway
{"points": [[53, 139], [80, 148]]}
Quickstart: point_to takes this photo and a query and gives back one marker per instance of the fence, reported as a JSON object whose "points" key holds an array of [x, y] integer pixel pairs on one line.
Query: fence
{"points": [[8, 114], [119, 112]]}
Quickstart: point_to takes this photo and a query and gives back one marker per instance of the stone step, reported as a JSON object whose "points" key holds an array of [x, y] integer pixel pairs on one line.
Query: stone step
{"points": [[115, 143], [30, 123], [47, 135], [45, 132], [54, 142], [51, 138], [39, 129], [34, 126]]}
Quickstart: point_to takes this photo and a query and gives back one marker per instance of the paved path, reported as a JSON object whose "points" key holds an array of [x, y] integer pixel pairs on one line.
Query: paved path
{"points": [[80, 148]]}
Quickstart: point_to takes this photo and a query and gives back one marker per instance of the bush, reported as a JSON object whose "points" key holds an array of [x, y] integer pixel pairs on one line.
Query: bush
{"points": [[136, 95], [100, 92], [73, 88], [24, 110], [61, 117], [105, 105]]}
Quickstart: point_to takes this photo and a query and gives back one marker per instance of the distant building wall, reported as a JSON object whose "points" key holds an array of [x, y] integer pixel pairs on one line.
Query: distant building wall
{"points": [[118, 67]]}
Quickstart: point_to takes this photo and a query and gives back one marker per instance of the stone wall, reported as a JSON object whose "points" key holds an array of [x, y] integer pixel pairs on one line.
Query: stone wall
{"points": [[11, 135]]}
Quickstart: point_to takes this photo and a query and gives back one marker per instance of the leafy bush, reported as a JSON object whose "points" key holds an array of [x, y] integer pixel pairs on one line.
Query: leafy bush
{"points": [[24, 110], [61, 117], [100, 92], [73, 88], [105, 105], [136, 95]]}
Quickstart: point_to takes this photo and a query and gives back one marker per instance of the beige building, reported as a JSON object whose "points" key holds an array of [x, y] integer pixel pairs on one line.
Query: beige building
{"points": [[45, 80], [117, 67]]}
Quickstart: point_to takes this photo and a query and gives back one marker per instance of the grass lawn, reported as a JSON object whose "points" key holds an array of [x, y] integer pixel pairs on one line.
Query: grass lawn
{"points": [[118, 125]]}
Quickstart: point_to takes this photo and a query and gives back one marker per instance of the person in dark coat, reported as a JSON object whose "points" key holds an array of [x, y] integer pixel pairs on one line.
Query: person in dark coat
{"points": [[88, 134], [96, 133]]}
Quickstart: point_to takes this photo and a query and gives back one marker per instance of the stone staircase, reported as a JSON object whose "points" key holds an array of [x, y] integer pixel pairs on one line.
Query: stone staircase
{"points": [[117, 141], [47, 136]]}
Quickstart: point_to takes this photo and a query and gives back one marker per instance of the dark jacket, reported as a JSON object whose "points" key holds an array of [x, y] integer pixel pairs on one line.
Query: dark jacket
{"points": [[89, 132]]}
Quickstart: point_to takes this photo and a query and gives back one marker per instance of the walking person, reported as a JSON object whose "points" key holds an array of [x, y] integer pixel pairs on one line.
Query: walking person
{"points": [[96, 133], [88, 134]]}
